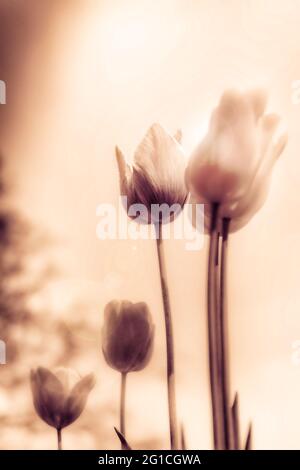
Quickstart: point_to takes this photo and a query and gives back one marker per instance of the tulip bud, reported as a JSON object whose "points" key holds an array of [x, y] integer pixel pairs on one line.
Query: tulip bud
{"points": [[59, 397], [127, 335], [232, 166], [155, 179]]}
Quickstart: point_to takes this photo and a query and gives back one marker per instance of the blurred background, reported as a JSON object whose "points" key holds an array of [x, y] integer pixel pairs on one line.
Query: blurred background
{"points": [[81, 77]]}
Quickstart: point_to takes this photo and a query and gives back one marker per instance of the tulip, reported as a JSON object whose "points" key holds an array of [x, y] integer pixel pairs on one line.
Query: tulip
{"points": [[155, 191], [232, 166], [127, 335], [155, 179], [230, 172], [127, 341], [60, 396]]}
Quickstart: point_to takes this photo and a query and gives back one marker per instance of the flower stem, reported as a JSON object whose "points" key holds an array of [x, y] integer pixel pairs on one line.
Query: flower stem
{"points": [[122, 403], [169, 339], [59, 440], [224, 339], [214, 330]]}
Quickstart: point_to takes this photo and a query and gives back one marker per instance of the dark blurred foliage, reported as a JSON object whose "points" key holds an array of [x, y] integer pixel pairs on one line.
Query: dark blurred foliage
{"points": [[26, 330], [33, 336], [16, 246], [13, 234]]}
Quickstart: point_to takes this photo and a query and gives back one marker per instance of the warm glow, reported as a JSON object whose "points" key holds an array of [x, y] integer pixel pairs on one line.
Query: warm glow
{"points": [[84, 79]]}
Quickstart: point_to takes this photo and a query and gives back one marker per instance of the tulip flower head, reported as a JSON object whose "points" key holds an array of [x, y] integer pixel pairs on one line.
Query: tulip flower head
{"points": [[60, 396], [155, 185], [232, 166], [127, 335]]}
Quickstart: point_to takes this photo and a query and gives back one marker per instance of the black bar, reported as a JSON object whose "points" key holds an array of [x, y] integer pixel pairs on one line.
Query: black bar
{"points": [[132, 459]]}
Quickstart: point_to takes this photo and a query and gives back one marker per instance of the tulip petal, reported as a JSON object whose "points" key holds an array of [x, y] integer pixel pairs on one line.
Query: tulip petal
{"points": [[124, 168], [257, 193], [127, 335], [48, 396], [268, 125], [258, 100], [156, 178], [77, 400], [144, 355], [160, 160], [279, 145], [125, 173], [178, 136], [111, 312], [139, 335], [156, 151], [217, 173], [67, 377]]}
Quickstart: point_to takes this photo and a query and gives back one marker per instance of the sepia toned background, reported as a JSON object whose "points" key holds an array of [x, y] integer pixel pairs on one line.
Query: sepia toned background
{"points": [[83, 76]]}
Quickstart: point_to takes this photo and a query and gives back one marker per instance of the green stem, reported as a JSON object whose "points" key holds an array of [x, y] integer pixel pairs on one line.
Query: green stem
{"points": [[169, 340], [122, 403], [59, 440]]}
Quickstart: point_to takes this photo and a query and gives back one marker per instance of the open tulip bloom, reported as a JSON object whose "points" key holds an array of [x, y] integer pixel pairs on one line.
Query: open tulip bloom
{"points": [[230, 172], [60, 396], [127, 341], [155, 183], [156, 193]]}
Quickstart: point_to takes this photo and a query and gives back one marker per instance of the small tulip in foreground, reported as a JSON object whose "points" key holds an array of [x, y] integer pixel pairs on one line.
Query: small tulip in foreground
{"points": [[155, 192], [127, 335], [60, 396], [127, 343]]}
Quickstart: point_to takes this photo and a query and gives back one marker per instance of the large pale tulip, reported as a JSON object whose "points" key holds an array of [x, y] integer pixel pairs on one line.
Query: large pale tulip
{"points": [[127, 335], [60, 396], [155, 178], [232, 166]]}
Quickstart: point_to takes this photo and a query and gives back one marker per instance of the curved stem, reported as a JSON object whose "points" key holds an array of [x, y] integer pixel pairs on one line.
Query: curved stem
{"points": [[169, 340], [122, 403], [59, 440]]}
